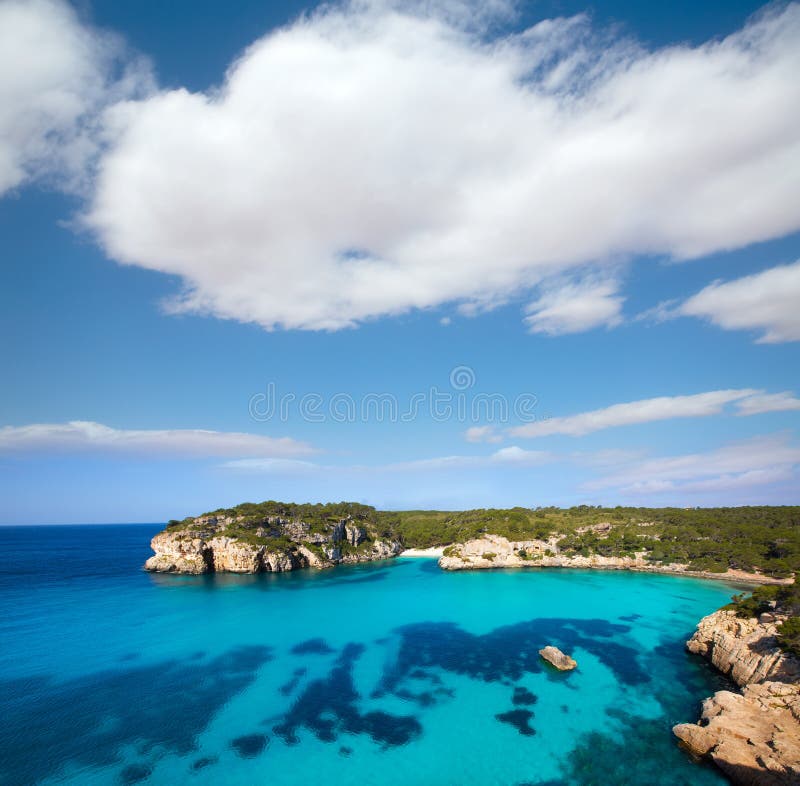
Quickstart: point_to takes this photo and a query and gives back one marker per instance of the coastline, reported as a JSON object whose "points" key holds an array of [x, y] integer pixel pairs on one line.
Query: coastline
{"points": [[492, 552], [751, 735], [731, 577]]}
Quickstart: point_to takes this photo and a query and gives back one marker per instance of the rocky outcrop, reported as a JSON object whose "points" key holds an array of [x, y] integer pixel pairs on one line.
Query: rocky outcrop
{"points": [[745, 649], [354, 535], [378, 549], [495, 551], [555, 657], [180, 555], [752, 736], [210, 544]]}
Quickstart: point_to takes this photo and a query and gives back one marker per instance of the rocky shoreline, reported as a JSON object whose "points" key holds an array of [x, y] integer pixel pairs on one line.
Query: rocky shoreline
{"points": [[213, 545], [206, 546], [493, 551], [752, 736]]}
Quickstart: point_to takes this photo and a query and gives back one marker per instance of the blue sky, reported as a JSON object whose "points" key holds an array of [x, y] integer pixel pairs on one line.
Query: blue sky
{"points": [[594, 214]]}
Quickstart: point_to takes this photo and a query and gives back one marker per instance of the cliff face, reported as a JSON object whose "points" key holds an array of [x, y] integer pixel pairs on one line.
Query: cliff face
{"points": [[753, 736], [495, 551], [207, 544], [745, 649]]}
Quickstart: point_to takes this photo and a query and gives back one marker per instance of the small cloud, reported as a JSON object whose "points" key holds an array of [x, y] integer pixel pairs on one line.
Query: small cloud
{"points": [[766, 301], [519, 456], [768, 402], [482, 434], [445, 321], [575, 307], [663, 312], [271, 465]]}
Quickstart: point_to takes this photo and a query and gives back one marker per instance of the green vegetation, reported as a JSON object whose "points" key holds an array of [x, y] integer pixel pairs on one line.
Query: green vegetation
{"points": [[765, 539], [490, 555], [781, 599], [710, 539], [319, 514], [789, 636]]}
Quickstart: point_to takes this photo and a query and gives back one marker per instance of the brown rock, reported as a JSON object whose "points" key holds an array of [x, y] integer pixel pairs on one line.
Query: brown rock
{"points": [[555, 657], [753, 736]]}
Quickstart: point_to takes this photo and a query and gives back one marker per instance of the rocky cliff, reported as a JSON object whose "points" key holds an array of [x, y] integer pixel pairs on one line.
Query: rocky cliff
{"points": [[237, 545], [752, 736], [494, 551]]}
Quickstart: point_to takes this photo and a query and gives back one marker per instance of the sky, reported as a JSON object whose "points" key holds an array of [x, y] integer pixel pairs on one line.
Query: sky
{"points": [[433, 254]]}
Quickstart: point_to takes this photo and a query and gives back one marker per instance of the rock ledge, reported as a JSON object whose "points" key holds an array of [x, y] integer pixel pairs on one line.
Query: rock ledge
{"points": [[753, 736]]}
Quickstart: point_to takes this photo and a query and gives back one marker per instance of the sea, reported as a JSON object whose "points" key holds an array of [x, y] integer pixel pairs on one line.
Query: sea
{"points": [[393, 672]]}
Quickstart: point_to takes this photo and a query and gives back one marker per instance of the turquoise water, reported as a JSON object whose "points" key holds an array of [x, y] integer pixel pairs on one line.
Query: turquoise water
{"points": [[392, 673]]}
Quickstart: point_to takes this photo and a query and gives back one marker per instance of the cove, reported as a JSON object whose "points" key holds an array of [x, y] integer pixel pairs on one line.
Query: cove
{"points": [[389, 673]]}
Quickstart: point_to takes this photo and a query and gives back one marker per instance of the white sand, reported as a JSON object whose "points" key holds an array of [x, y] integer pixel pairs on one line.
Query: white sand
{"points": [[434, 551]]}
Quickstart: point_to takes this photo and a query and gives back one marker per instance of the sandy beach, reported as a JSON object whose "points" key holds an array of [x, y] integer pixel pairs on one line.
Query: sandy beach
{"points": [[433, 551]]}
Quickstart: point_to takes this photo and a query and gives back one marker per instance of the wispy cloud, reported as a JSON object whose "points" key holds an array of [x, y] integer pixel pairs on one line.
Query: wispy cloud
{"points": [[482, 434], [574, 307], [754, 462], [634, 412], [279, 466], [79, 435], [768, 402], [510, 456]]}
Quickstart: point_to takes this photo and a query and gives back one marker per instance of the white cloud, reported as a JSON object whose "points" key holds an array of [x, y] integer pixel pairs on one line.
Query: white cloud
{"points": [[482, 434], [364, 161], [767, 301], [768, 402], [80, 435], [754, 462], [273, 465], [509, 456], [643, 411], [521, 457], [56, 75], [575, 308]]}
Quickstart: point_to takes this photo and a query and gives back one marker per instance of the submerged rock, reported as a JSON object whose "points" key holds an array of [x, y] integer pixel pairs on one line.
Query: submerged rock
{"points": [[555, 657]]}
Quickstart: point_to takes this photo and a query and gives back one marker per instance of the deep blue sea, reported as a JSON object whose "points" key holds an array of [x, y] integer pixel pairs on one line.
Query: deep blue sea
{"points": [[392, 673]]}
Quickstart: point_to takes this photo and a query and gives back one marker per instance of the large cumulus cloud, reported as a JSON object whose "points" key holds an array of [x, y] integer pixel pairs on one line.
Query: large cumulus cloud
{"points": [[364, 161]]}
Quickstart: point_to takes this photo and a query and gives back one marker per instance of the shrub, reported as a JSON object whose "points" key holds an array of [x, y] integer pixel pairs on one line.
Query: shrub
{"points": [[789, 636]]}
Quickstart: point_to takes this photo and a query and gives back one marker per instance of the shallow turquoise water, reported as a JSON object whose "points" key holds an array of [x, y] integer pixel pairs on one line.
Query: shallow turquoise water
{"points": [[393, 673]]}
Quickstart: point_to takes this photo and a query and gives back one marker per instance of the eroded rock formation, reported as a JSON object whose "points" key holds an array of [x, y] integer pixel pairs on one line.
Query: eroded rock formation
{"points": [[208, 544], [495, 551], [752, 736], [555, 657]]}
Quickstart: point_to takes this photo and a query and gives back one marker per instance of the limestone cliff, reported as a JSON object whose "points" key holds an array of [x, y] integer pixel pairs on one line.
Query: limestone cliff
{"points": [[744, 649], [232, 544], [495, 551], [753, 736]]}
